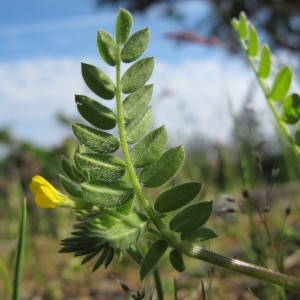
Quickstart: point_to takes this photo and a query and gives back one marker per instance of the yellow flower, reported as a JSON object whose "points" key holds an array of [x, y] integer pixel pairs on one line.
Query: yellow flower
{"points": [[46, 195]]}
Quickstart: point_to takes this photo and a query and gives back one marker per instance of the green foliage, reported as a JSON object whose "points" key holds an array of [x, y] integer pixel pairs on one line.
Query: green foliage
{"points": [[95, 113], [183, 221], [153, 255], [115, 185], [177, 196], [275, 86], [98, 141], [98, 81]]}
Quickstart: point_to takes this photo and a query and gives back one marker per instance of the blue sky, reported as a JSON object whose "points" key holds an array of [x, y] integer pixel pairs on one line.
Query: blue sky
{"points": [[43, 43]]}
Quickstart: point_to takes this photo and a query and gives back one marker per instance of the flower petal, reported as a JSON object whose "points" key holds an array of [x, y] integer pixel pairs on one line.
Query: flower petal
{"points": [[43, 201], [52, 195]]}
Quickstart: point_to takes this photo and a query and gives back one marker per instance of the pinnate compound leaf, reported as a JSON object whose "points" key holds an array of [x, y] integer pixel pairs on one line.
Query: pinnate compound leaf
{"points": [[135, 46], [98, 81], [123, 26], [137, 102], [150, 148], [177, 196], [253, 45], [128, 231], [70, 187], [103, 167], [95, 113], [198, 235], [281, 84], [265, 63], [155, 252], [107, 194], [243, 28], [138, 127], [163, 169], [191, 217], [107, 47], [176, 260], [137, 75], [291, 109], [96, 140]]}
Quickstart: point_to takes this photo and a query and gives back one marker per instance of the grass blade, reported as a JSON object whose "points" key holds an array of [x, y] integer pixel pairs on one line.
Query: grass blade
{"points": [[19, 261]]}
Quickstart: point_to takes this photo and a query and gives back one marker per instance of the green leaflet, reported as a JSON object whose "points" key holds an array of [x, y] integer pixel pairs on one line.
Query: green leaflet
{"points": [[123, 26], [128, 231], [95, 113], [235, 24], [89, 256], [281, 84], [101, 258], [177, 196], [98, 81], [107, 47], [96, 140], [291, 109], [135, 46], [107, 194], [243, 26], [253, 45], [70, 187], [177, 260], [137, 75], [150, 148], [102, 167], [163, 169], [155, 252], [138, 127], [70, 171], [265, 63], [137, 102], [109, 257], [191, 217], [198, 235]]}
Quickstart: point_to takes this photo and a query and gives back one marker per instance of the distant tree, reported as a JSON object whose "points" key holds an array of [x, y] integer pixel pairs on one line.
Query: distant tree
{"points": [[279, 19]]}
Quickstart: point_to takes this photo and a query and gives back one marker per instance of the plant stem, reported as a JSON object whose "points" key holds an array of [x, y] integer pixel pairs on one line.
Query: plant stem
{"points": [[158, 285], [236, 265]]}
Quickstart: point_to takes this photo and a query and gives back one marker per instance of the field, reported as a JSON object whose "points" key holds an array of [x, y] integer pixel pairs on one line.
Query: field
{"points": [[260, 225]]}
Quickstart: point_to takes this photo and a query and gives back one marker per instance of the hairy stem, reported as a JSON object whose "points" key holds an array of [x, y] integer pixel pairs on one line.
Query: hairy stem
{"points": [[288, 282]]}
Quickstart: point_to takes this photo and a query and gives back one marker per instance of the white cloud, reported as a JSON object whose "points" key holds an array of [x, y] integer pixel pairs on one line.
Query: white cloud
{"points": [[189, 97], [33, 91], [197, 94]]}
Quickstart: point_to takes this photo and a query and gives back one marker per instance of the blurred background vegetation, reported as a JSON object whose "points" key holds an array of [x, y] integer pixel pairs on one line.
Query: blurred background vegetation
{"points": [[253, 180]]}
